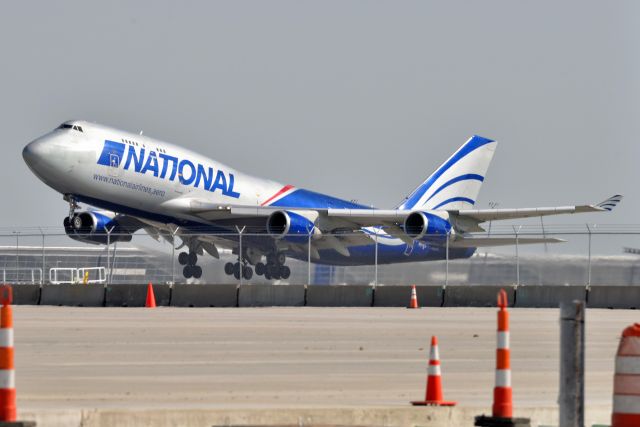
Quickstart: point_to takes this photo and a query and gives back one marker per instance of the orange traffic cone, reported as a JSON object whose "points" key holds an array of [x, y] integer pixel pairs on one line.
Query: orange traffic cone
{"points": [[433, 395], [151, 298], [414, 298]]}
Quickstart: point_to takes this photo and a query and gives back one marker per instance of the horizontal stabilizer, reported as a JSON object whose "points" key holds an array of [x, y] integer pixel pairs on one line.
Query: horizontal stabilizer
{"points": [[484, 242]]}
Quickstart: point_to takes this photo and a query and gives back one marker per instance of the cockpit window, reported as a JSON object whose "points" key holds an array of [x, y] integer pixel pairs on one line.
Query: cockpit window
{"points": [[68, 126]]}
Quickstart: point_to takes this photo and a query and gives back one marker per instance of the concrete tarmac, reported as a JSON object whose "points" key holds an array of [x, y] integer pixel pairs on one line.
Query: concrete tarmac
{"points": [[266, 358]]}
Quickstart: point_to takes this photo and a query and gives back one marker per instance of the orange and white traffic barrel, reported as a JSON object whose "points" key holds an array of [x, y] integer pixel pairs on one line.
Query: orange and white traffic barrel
{"points": [[626, 381], [7, 372], [502, 392]]}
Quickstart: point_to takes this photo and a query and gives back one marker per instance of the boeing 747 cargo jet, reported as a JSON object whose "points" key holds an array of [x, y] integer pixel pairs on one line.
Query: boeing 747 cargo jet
{"points": [[136, 182]]}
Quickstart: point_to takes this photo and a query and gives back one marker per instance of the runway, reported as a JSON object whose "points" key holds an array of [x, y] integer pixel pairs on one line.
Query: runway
{"points": [[130, 358]]}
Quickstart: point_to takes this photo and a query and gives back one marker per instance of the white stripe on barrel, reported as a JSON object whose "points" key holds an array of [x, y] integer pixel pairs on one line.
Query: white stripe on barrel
{"points": [[625, 404], [628, 365], [6, 337], [503, 339], [7, 378], [503, 377]]}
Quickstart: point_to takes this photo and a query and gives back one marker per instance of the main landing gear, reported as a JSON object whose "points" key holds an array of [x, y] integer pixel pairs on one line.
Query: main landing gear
{"points": [[273, 269], [189, 260], [233, 269]]}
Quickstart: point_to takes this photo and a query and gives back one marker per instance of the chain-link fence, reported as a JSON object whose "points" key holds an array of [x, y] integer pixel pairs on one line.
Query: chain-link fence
{"points": [[568, 254]]}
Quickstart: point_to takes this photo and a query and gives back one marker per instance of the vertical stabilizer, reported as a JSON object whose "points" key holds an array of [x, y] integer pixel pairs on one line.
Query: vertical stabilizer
{"points": [[456, 183]]}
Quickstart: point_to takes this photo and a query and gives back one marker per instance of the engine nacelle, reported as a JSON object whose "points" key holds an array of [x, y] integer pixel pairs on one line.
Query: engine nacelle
{"points": [[424, 225], [92, 227], [292, 226]]}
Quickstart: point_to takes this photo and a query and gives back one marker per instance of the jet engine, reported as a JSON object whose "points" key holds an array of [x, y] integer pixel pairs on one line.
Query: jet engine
{"points": [[94, 227], [292, 226], [425, 226]]}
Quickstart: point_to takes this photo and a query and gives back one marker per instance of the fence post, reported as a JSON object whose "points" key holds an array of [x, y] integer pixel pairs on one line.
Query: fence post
{"points": [[241, 267], [43, 260], [571, 396], [589, 258], [309, 259], [375, 261], [517, 254], [17, 256], [446, 272]]}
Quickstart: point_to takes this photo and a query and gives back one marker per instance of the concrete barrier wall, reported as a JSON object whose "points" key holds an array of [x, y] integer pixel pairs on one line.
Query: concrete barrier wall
{"points": [[204, 296], [476, 296], [399, 296], [73, 295], [26, 294], [548, 296], [271, 296], [614, 297], [623, 297], [340, 296], [135, 295]]}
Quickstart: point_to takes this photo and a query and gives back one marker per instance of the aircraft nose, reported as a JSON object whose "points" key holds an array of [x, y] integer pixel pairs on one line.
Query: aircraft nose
{"points": [[34, 152]]}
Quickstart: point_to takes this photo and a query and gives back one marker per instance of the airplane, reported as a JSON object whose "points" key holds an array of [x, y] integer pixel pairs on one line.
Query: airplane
{"points": [[133, 182]]}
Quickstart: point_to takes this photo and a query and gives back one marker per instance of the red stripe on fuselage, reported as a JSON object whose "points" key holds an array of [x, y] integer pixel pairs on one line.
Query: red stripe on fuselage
{"points": [[282, 191]]}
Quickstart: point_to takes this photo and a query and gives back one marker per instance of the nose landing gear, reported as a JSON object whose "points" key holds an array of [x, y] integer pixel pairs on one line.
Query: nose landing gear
{"points": [[189, 260]]}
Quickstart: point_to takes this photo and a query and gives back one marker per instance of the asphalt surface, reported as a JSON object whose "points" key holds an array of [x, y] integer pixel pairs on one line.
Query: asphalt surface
{"points": [[131, 358]]}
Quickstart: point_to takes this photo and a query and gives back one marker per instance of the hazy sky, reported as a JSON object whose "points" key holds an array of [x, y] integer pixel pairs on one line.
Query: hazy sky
{"points": [[357, 99]]}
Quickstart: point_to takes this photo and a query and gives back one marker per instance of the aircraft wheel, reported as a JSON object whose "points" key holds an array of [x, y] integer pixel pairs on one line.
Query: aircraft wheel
{"points": [[285, 272], [186, 272], [275, 272], [267, 275], [196, 271], [236, 270], [281, 258], [192, 258], [260, 269], [271, 259], [247, 273], [183, 258], [228, 268]]}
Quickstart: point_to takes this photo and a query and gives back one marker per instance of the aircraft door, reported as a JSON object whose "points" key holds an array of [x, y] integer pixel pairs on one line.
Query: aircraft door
{"points": [[114, 165]]}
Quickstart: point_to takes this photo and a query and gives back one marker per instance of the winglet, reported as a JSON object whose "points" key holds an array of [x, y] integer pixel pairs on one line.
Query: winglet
{"points": [[610, 203]]}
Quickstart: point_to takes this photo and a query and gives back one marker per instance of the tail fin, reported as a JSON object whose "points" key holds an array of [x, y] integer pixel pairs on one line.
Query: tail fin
{"points": [[455, 184]]}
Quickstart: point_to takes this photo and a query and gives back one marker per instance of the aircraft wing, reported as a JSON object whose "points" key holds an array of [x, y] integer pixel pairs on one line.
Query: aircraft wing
{"points": [[482, 215], [354, 219]]}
